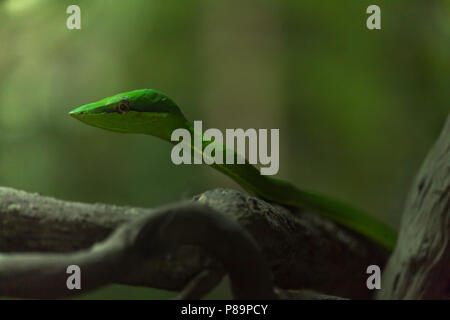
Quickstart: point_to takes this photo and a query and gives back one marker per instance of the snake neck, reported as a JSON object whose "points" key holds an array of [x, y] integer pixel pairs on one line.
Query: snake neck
{"points": [[242, 171]]}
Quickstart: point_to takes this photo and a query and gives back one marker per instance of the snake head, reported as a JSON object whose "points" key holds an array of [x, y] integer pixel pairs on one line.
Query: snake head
{"points": [[144, 111]]}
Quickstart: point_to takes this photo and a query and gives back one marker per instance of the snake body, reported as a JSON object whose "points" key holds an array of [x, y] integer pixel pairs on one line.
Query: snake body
{"points": [[152, 112]]}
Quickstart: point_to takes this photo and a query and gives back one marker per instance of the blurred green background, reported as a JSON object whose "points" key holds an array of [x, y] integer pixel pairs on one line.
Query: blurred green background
{"points": [[357, 109]]}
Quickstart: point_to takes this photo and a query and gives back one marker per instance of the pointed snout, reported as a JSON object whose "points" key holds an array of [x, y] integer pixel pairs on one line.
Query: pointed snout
{"points": [[78, 111], [90, 108]]}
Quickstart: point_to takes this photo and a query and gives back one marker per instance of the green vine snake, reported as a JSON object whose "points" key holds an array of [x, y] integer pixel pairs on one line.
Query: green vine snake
{"points": [[151, 112]]}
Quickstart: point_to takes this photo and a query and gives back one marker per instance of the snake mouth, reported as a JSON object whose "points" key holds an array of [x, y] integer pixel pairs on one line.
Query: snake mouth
{"points": [[80, 111], [75, 114], [91, 108]]}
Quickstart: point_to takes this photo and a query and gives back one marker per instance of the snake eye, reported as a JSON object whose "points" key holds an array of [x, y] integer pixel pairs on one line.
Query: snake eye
{"points": [[123, 106]]}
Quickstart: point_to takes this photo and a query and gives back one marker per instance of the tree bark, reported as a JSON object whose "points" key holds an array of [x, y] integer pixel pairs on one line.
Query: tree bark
{"points": [[419, 268], [303, 250]]}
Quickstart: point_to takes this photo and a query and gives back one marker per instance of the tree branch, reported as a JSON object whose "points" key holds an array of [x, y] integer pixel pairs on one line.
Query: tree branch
{"points": [[302, 249], [40, 275], [420, 265]]}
